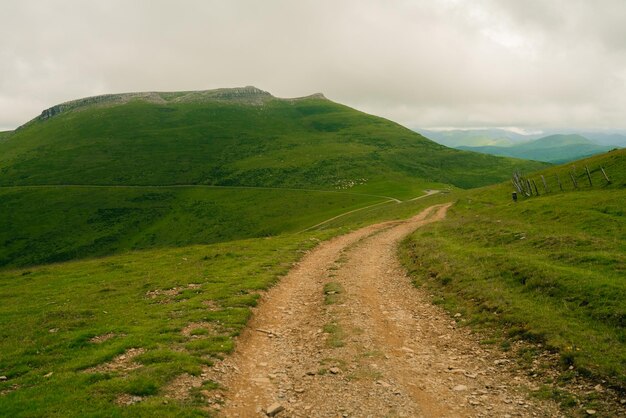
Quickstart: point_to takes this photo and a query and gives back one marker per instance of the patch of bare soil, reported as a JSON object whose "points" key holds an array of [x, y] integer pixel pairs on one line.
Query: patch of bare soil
{"points": [[180, 387], [8, 390], [126, 400], [377, 348], [99, 339], [167, 295], [195, 329], [122, 363]]}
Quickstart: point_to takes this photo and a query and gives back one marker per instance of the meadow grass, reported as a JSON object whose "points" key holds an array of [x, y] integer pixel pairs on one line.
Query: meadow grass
{"points": [[52, 224], [304, 143], [59, 321], [309, 143], [71, 318], [548, 269], [332, 292]]}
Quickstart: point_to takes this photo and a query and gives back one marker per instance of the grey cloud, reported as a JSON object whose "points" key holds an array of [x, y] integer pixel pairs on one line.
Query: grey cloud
{"points": [[534, 63]]}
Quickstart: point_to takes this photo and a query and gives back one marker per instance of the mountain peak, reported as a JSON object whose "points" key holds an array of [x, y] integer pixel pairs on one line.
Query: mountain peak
{"points": [[563, 139], [247, 95]]}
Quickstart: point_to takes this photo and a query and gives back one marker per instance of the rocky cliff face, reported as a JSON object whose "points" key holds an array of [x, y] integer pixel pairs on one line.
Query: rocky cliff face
{"points": [[104, 99], [248, 95]]}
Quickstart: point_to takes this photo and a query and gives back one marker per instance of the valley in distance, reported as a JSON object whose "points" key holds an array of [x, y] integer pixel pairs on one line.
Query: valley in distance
{"points": [[230, 253]]}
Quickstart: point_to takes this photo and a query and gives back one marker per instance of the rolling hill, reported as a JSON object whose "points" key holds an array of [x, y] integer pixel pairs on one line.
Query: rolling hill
{"points": [[144, 170], [548, 270], [194, 202], [230, 137], [553, 149], [456, 138], [5, 134]]}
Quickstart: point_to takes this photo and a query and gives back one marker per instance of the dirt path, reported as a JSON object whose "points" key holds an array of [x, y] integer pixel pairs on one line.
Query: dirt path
{"points": [[375, 348]]}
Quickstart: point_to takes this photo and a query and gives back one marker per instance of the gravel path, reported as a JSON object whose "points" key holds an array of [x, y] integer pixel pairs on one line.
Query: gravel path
{"points": [[368, 345]]}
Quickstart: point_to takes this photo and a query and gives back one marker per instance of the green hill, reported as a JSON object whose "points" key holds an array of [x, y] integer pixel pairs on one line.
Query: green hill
{"points": [[231, 137], [166, 186], [456, 138], [557, 140], [553, 149], [5, 134], [549, 270], [128, 148]]}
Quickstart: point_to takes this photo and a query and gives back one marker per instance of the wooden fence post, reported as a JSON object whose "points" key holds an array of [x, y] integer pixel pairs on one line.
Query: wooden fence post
{"points": [[545, 185], [536, 191], [559, 181], [605, 176], [573, 180], [588, 176]]}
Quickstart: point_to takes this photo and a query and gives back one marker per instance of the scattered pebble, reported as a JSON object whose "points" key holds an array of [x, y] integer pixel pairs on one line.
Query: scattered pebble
{"points": [[274, 409]]}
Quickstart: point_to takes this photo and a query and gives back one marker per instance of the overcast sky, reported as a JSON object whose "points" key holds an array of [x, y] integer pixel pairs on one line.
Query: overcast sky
{"points": [[528, 64]]}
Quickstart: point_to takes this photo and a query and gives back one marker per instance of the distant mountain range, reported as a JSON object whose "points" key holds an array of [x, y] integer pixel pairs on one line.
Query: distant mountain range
{"points": [[555, 148]]}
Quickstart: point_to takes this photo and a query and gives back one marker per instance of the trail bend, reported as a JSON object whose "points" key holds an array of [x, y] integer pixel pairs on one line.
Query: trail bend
{"points": [[377, 348]]}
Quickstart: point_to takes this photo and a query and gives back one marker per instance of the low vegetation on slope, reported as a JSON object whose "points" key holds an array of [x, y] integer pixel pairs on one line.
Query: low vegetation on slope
{"points": [[550, 269], [243, 137], [5, 134], [63, 327], [52, 224], [115, 336], [229, 138], [553, 149]]}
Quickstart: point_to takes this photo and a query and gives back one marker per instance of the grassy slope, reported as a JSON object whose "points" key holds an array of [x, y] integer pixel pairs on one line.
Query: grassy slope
{"points": [[309, 142], [49, 314], [553, 149], [43, 225], [550, 269], [303, 143], [82, 299]]}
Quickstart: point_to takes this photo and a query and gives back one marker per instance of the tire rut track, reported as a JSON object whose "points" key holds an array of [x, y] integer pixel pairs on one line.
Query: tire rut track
{"points": [[381, 349]]}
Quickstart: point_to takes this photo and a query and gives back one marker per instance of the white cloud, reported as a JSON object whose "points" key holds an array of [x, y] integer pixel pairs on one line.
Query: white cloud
{"points": [[536, 63]]}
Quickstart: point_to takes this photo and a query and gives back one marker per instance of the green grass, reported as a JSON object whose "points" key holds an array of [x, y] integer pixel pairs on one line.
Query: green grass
{"points": [[304, 143], [548, 269], [310, 143], [173, 257], [554, 149], [141, 299], [335, 335], [49, 314], [52, 224], [332, 292]]}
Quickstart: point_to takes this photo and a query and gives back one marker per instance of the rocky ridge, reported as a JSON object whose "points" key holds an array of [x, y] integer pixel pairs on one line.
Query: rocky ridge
{"points": [[248, 95]]}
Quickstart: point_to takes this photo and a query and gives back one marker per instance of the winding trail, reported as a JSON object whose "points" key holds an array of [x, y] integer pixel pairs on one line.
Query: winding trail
{"points": [[375, 348]]}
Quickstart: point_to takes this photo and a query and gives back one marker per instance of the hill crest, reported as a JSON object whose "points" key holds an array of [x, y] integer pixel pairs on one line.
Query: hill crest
{"points": [[248, 95]]}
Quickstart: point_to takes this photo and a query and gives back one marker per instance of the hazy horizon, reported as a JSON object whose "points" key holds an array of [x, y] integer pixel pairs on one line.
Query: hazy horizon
{"points": [[534, 65]]}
